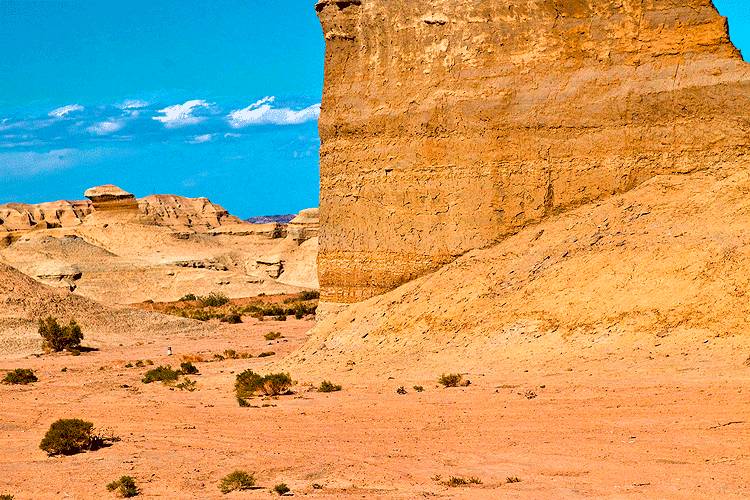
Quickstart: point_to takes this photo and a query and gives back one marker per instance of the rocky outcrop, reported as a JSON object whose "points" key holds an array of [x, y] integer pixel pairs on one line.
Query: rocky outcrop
{"points": [[23, 217], [449, 125], [110, 198], [304, 226], [178, 211]]}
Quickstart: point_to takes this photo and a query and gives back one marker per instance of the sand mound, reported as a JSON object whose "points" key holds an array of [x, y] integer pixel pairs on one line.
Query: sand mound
{"points": [[666, 262], [24, 301]]}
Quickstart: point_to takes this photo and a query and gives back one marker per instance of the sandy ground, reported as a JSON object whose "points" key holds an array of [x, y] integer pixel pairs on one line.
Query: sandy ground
{"points": [[642, 424]]}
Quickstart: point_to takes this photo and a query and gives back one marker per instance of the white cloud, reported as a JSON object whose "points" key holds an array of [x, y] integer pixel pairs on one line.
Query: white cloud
{"points": [[106, 127], [65, 110], [263, 113], [200, 139], [232, 135], [132, 104], [180, 115]]}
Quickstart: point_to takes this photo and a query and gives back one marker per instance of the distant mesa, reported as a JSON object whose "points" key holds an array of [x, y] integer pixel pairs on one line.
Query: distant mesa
{"points": [[269, 219], [111, 198], [304, 226]]}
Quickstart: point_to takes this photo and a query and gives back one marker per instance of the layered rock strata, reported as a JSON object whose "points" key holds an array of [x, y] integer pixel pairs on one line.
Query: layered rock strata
{"points": [[110, 198], [449, 125]]}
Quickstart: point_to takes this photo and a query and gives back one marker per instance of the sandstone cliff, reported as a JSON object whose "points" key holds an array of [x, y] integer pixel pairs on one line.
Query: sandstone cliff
{"points": [[448, 126]]}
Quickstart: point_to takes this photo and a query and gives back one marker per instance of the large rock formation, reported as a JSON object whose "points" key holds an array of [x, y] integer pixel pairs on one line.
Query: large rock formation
{"points": [[110, 198], [449, 125]]}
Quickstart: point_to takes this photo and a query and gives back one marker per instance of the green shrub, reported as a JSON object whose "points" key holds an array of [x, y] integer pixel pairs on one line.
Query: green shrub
{"points": [[70, 436], [455, 481], [309, 295], [233, 318], [281, 317], [189, 298], [6, 497], [236, 481], [272, 335], [188, 368], [418, 388], [125, 487], [266, 354], [401, 390], [453, 380], [281, 489], [214, 299], [20, 376], [327, 386], [57, 337], [249, 384], [187, 385], [161, 374]]}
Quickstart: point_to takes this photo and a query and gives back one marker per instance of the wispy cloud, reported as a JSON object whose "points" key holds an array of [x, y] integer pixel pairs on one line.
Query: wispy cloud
{"points": [[65, 110], [263, 113], [106, 127], [180, 115], [132, 104], [28, 163], [201, 139]]}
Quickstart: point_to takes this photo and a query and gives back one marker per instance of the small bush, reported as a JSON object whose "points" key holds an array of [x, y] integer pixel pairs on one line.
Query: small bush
{"points": [[453, 380], [249, 384], [70, 436], [281, 317], [161, 374], [327, 386], [20, 376], [188, 368], [232, 318], [236, 481], [6, 497], [529, 394], [187, 385], [266, 354], [455, 481], [512, 479], [188, 298], [125, 487], [281, 489], [418, 388], [57, 337], [310, 295], [401, 390], [214, 299], [272, 335]]}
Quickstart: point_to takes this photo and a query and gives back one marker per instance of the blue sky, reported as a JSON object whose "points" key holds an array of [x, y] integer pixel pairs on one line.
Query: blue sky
{"points": [[215, 98]]}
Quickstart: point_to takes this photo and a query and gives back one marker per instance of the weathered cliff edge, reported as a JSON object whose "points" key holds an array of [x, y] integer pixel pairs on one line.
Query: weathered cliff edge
{"points": [[448, 126]]}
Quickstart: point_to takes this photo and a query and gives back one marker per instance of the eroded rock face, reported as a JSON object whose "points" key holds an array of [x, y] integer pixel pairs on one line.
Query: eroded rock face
{"points": [[23, 217], [304, 226], [176, 211], [449, 125]]}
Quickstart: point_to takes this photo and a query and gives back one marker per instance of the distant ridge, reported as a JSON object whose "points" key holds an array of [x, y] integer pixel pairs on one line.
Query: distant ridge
{"points": [[267, 219]]}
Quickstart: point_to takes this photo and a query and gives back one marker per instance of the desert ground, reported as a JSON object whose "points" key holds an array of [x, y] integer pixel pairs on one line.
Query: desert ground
{"points": [[624, 417]]}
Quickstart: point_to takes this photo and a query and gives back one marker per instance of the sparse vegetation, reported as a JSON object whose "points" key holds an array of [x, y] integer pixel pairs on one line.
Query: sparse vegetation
{"points": [[187, 385], [249, 384], [163, 374], [281, 489], [281, 317], [453, 380], [512, 479], [20, 376], [529, 394], [232, 318], [418, 388], [327, 386], [309, 295], [188, 368], [71, 436], [191, 297], [58, 337], [6, 497], [124, 487], [266, 354], [456, 481], [214, 299], [238, 480], [272, 335], [401, 390]]}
